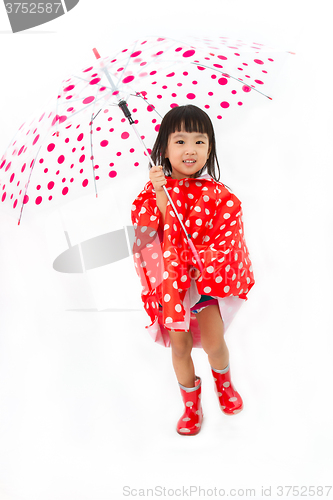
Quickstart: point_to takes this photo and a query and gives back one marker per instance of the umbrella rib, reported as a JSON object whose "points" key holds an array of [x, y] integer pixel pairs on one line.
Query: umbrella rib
{"points": [[234, 77], [91, 149], [138, 94]]}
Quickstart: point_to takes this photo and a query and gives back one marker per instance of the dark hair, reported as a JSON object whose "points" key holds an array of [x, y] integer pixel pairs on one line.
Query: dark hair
{"points": [[193, 119]]}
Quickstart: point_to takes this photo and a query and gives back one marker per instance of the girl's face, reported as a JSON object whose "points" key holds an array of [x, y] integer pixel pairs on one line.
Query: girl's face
{"points": [[187, 153]]}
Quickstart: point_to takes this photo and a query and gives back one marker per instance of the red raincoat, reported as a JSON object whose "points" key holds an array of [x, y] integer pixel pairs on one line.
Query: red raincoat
{"points": [[212, 216]]}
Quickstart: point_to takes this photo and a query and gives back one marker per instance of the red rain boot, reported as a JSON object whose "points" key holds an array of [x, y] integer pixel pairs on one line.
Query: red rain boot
{"points": [[190, 422], [229, 399]]}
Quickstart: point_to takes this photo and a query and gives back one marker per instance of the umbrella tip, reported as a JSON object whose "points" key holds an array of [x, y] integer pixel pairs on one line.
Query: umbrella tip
{"points": [[95, 51], [18, 223]]}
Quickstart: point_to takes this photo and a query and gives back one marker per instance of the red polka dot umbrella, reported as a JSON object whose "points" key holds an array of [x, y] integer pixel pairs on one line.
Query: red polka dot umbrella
{"points": [[82, 142]]}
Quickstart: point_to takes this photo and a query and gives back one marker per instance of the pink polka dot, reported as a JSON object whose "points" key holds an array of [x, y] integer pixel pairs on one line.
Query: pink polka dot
{"points": [[12, 178], [3, 197], [94, 81], [173, 105], [136, 164], [223, 58], [224, 104], [259, 82], [80, 137], [21, 150], [190, 96], [50, 185], [245, 88], [23, 167], [25, 199], [170, 74], [125, 135], [258, 61], [104, 143], [240, 103], [118, 153], [150, 108], [14, 204], [70, 87], [88, 100], [88, 69], [81, 160], [112, 174], [35, 140], [132, 150], [61, 159], [128, 79], [136, 54], [2, 164], [85, 183], [157, 128], [223, 81], [38, 200], [189, 53], [65, 191]]}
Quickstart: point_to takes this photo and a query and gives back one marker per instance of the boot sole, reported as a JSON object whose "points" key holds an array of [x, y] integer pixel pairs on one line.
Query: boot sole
{"points": [[231, 414]]}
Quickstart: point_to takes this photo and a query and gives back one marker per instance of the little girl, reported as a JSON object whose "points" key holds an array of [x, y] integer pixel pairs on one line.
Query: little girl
{"points": [[189, 308]]}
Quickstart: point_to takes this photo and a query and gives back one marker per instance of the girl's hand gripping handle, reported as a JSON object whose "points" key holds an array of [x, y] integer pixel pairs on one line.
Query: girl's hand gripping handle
{"points": [[157, 177], [158, 180]]}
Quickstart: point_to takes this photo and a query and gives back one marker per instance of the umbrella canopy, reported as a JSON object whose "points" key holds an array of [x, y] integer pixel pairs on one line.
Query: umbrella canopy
{"points": [[82, 142]]}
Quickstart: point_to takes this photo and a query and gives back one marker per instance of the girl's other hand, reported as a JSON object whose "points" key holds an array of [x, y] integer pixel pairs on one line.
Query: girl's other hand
{"points": [[157, 177]]}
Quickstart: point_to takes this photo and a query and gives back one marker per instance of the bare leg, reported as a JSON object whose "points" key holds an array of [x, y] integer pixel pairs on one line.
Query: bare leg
{"points": [[212, 337], [181, 345]]}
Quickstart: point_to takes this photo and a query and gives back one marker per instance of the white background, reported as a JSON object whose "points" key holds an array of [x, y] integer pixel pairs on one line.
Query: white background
{"points": [[88, 403]]}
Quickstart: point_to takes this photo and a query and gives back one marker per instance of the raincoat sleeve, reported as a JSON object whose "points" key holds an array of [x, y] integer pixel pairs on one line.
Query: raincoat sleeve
{"points": [[237, 257], [147, 248]]}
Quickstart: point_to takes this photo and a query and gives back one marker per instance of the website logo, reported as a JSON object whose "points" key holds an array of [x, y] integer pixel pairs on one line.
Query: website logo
{"points": [[25, 15]]}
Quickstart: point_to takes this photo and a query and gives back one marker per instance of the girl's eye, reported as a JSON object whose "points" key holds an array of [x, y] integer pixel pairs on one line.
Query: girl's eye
{"points": [[200, 142], [180, 142]]}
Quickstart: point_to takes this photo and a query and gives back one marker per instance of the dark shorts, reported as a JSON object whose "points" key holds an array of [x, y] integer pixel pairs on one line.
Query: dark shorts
{"points": [[201, 303]]}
